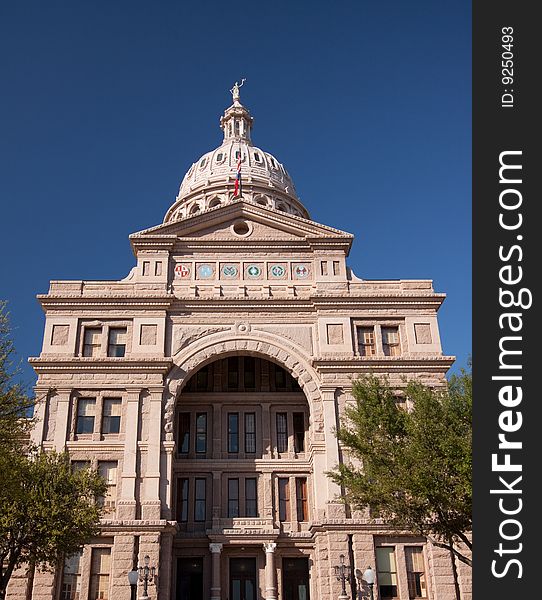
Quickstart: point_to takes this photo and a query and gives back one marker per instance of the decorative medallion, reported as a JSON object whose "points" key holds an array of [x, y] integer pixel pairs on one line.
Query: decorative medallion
{"points": [[277, 271], [301, 271], [229, 271], [253, 271], [182, 270], [205, 271]]}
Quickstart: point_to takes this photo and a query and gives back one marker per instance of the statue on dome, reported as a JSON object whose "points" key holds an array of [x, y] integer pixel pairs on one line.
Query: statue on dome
{"points": [[235, 90]]}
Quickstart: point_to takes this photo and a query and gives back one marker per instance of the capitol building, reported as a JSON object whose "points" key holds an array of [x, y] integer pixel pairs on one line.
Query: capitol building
{"points": [[206, 387]]}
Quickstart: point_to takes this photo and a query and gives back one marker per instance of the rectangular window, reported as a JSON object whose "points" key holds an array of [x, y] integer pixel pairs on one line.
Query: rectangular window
{"points": [[146, 268], [233, 432], [301, 497], [390, 341], [250, 433], [233, 373], [86, 409], [100, 571], [280, 378], [299, 432], [92, 341], [415, 572], [108, 470], [336, 267], [282, 432], [184, 433], [249, 375], [182, 500], [284, 499], [366, 341], [111, 415], [79, 465], [71, 577], [201, 433], [199, 500], [323, 267], [117, 342], [251, 497], [233, 497], [386, 571], [158, 269]]}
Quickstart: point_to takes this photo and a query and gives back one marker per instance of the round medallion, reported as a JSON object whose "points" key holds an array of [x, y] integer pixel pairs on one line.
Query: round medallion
{"points": [[182, 271], [301, 271], [205, 271], [229, 271], [278, 271], [254, 271]]}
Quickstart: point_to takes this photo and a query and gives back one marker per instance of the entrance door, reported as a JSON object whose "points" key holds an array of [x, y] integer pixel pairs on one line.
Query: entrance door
{"points": [[295, 578], [242, 579], [190, 579]]}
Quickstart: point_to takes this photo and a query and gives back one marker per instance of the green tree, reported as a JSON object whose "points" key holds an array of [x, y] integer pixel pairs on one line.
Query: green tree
{"points": [[47, 511], [412, 468]]}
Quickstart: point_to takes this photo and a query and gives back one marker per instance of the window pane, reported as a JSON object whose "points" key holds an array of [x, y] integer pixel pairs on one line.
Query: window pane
{"points": [[282, 432], [85, 415], [299, 432], [199, 504], [201, 433], [415, 572], [366, 340], [92, 341], [111, 415], [387, 572], [284, 499], [233, 497], [108, 470], [182, 502], [71, 577], [251, 497], [390, 341], [184, 433], [233, 432], [250, 373], [233, 373], [250, 433], [117, 342], [99, 574], [301, 492]]}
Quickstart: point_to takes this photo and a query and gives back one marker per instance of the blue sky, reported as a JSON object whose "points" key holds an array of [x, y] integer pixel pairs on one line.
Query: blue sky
{"points": [[105, 105]]}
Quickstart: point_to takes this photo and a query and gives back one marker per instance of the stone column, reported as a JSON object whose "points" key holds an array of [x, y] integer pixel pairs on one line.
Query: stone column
{"points": [[151, 505], [127, 501], [62, 428], [215, 549], [270, 572]]}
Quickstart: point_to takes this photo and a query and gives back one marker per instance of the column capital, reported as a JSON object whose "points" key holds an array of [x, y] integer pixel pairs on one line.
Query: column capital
{"points": [[216, 548], [270, 546]]}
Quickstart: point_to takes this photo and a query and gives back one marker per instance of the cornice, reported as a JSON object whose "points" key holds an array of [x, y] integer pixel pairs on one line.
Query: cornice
{"points": [[108, 301], [334, 363], [100, 365]]}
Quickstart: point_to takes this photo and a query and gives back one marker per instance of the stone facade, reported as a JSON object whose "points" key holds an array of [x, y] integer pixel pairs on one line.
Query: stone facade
{"points": [[207, 384]]}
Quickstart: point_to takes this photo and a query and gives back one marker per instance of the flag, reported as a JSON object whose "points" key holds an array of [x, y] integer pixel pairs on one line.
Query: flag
{"points": [[238, 187]]}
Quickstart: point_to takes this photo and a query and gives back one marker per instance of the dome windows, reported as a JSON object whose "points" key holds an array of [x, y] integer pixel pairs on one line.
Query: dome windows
{"points": [[219, 157], [241, 228], [214, 202], [203, 162], [257, 157], [195, 209]]}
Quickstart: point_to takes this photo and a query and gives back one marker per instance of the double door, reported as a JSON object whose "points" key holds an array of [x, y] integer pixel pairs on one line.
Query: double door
{"points": [[243, 579]]}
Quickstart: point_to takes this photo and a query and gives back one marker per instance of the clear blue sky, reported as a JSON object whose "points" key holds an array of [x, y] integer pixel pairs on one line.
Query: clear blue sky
{"points": [[105, 105]]}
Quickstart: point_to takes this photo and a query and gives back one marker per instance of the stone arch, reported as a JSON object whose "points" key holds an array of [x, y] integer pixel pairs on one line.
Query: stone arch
{"points": [[191, 359]]}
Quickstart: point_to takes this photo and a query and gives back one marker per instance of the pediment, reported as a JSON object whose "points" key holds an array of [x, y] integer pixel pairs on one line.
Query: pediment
{"points": [[219, 224]]}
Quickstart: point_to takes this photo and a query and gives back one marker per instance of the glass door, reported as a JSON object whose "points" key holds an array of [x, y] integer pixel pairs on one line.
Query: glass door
{"points": [[242, 579], [190, 579], [295, 578]]}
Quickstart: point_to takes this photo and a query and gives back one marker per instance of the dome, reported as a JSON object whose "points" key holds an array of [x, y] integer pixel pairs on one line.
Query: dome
{"points": [[213, 179]]}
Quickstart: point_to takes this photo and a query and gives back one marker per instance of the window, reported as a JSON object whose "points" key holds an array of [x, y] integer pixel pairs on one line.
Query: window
{"points": [[323, 267], [117, 342], [71, 577], [108, 470], [158, 269], [219, 157], [233, 432], [100, 569], [79, 465], [250, 433], [92, 341], [257, 157], [336, 267], [111, 415], [251, 497], [282, 432], [233, 497], [86, 409], [284, 499], [366, 341], [299, 432], [387, 572], [280, 378], [415, 572], [184, 433], [301, 496], [201, 433], [182, 500], [199, 500], [249, 373], [390, 341], [146, 268], [233, 373]]}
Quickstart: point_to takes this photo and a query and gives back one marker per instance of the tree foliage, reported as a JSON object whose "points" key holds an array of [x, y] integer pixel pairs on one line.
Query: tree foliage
{"points": [[47, 511], [411, 468]]}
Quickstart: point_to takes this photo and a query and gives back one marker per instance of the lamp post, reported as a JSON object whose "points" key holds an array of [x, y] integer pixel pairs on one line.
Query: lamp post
{"points": [[369, 577], [133, 577], [342, 572], [146, 575]]}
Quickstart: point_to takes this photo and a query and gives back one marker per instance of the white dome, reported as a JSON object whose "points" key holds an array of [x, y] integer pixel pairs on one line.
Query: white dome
{"points": [[210, 181]]}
